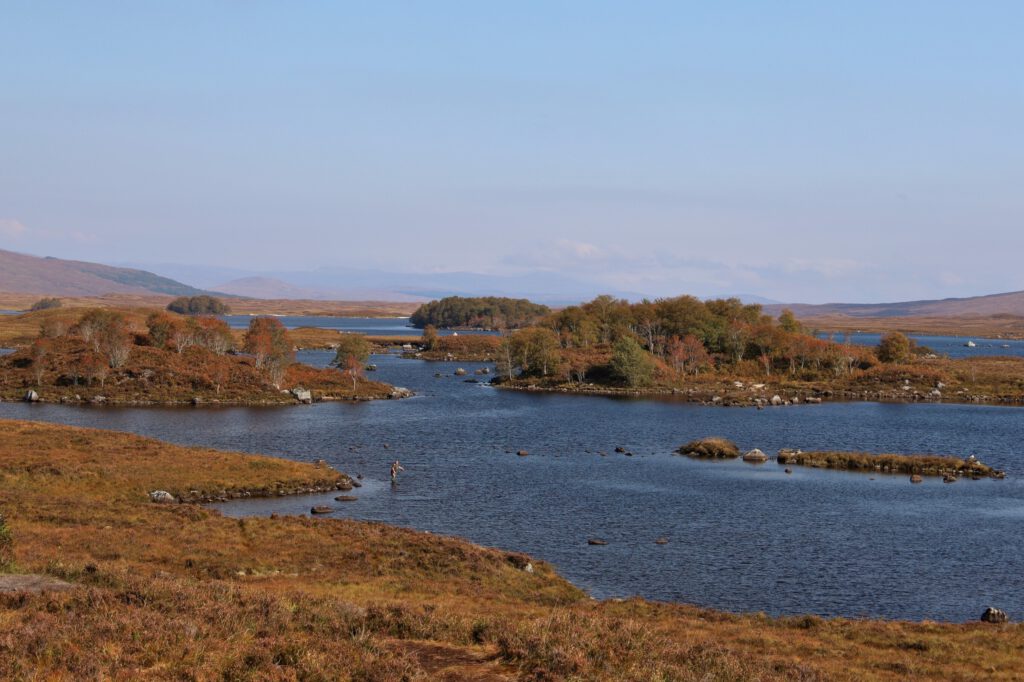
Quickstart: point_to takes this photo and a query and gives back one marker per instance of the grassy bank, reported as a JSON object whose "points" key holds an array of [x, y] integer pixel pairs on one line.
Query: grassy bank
{"points": [[177, 591]]}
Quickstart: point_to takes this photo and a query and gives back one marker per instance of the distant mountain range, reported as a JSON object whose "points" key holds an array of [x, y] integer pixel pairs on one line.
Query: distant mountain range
{"points": [[21, 273], [994, 304]]}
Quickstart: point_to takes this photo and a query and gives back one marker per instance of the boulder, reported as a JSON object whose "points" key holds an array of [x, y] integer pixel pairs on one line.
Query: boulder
{"points": [[597, 541], [346, 498], [916, 478], [522, 453], [460, 372], [755, 455], [321, 509], [398, 393], [710, 447], [31, 396], [161, 497], [776, 400], [661, 541], [620, 449], [302, 395], [994, 615]]}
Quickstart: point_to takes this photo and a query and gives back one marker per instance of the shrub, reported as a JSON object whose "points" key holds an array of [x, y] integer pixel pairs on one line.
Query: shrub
{"points": [[710, 447]]}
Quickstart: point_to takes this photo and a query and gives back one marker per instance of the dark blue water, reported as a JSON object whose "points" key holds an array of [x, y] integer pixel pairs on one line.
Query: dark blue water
{"points": [[742, 537], [952, 346], [376, 326]]}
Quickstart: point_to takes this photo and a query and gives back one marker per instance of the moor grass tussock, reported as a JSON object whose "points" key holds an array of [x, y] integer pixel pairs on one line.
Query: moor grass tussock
{"points": [[927, 465], [178, 591], [713, 447]]}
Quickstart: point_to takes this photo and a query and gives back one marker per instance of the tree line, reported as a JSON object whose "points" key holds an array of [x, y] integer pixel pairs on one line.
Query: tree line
{"points": [[486, 312]]}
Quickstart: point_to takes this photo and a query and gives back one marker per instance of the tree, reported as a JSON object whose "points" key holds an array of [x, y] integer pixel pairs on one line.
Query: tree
{"points": [[688, 355], [39, 350], [198, 305], [535, 350], [630, 363], [789, 323], [429, 337], [107, 332], [163, 329], [211, 333], [895, 348], [267, 340], [351, 346], [46, 304]]}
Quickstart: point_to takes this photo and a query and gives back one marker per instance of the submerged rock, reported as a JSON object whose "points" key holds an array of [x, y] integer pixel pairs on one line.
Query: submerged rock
{"points": [[321, 509], [661, 541], [916, 478], [755, 456], [597, 541], [523, 453], [346, 498]]}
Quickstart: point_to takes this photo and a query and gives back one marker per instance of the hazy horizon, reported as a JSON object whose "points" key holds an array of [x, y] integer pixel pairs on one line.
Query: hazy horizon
{"points": [[797, 152]]}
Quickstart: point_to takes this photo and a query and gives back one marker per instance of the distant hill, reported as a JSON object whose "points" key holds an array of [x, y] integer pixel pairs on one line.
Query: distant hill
{"points": [[272, 288], [994, 304], [21, 273]]}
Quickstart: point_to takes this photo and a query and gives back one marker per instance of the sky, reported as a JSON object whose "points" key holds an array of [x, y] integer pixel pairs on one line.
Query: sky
{"points": [[800, 151]]}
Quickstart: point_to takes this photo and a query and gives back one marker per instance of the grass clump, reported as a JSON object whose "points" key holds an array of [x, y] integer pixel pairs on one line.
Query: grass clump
{"points": [[713, 447], [925, 465]]}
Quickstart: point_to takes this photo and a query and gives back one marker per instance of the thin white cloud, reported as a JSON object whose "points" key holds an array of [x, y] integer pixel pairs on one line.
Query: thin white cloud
{"points": [[12, 228]]}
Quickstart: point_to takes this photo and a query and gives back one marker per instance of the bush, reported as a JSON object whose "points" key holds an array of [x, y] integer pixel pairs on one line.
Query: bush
{"points": [[710, 447]]}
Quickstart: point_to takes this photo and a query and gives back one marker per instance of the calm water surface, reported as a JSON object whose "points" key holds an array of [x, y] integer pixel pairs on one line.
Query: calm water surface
{"points": [[742, 537], [953, 346]]}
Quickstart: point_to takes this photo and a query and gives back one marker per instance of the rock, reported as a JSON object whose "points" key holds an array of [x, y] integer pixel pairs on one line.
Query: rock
{"points": [[98, 399], [302, 395], [319, 463], [776, 400], [816, 401], [528, 568], [346, 498], [949, 478], [460, 372], [196, 400], [320, 509], [371, 368], [522, 453], [597, 541], [755, 455], [620, 449], [916, 478], [994, 615], [398, 393], [31, 396], [788, 470], [661, 541], [161, 497], [355, 483], [710, 447]]}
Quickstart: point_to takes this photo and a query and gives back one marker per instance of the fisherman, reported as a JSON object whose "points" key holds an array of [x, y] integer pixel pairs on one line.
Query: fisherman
{"points": [[395, 468]]}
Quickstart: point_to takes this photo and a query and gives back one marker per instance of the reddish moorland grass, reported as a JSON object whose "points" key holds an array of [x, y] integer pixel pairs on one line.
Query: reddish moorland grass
{"points": [[179, 591]]}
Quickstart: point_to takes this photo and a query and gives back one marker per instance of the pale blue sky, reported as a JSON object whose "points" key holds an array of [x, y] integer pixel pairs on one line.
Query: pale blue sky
{"points": [[803, 151]]}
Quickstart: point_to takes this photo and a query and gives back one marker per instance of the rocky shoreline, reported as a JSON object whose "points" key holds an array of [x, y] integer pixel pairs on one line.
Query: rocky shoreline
{"points": [[287, 398]]}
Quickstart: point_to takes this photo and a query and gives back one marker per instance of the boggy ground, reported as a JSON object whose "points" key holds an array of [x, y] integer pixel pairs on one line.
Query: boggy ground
{"points": [[152, 376], [178, 591]]}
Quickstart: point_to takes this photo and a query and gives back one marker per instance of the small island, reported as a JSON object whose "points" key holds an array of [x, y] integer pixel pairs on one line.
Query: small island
{"points": [[147, 357]]}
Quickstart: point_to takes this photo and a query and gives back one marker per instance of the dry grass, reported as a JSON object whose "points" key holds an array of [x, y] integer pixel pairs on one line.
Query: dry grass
{"points": [[181, 592], [925, 465], [999, 326], [719, 448]]}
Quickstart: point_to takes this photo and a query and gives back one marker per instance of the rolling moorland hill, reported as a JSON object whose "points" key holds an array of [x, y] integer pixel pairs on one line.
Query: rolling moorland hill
{"points": [[1011, 303], [22, 273]]}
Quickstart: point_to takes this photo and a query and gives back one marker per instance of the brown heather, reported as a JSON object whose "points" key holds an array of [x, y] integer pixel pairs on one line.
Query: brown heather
{"points": [[926, 465], [181, 592]]}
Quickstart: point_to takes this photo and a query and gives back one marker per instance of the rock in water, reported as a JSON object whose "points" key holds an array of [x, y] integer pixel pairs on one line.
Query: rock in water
{"points": [[597, 541], [522, 453], [916, 478], [302, 395], [346, 498], [460, 372], [994, 615], [161, 497], [31, 396], [756, 456], [776, 400], [321, 509], [661, 541]]}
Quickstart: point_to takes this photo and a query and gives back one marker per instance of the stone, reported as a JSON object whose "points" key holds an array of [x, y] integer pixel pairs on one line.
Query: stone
{"points": [[755, 455], [320, 509], [460, 372], [916, 478], [994, 615], [31, 396], [302, 395], [161, 497], [620, 449], [949, 478], [522, 453], [346, 498], [597, 541], [661, 541], [399, 392], [788, 470], [776, 400]]}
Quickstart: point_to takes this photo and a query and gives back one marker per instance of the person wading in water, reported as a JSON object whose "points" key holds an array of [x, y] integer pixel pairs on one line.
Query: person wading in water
{"points": [[395, 468]]}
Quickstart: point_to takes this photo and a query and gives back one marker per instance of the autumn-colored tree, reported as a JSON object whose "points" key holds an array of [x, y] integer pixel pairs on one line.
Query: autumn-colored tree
{"points": [[429, 337], [39, 351], [95, 368], [162, 329], [895, 348], [688, 355], [267, 341], [107, 332], [535, 350], [211, 333], [789, 323]]}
